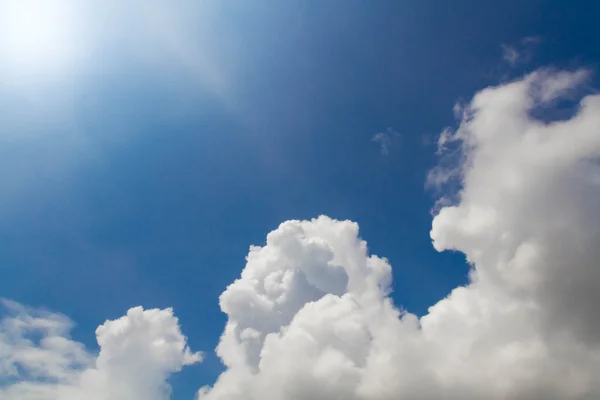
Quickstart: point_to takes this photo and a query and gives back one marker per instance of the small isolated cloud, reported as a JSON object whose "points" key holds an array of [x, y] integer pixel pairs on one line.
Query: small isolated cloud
{"points": [[531, 40], [510, 54], [138, 353], [386, 140], [520, 53]]}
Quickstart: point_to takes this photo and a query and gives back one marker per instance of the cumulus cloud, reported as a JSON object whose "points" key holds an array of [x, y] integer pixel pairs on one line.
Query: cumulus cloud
{"points": [[311, 317], [138, 352]]}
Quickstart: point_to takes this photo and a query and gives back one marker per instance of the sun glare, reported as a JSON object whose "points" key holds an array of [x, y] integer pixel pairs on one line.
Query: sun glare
{"points": [[37, 36]]}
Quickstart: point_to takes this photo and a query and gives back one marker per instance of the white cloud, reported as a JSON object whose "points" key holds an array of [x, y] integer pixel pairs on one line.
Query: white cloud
{"points": [[548, 85], [138, 352], [386, 140], [443, 140], [310, 316]]}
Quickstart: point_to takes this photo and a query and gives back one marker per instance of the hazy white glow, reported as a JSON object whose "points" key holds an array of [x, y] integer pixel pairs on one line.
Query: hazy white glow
{"points": [[38, 36]]}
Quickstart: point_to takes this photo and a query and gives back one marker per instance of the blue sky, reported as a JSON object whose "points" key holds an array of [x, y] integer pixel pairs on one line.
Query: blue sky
{"points": [[141, 172]]}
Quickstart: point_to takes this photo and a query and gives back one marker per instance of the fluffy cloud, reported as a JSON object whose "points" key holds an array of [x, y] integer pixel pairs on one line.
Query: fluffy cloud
{"points": [[138, 352], [310, 316]]}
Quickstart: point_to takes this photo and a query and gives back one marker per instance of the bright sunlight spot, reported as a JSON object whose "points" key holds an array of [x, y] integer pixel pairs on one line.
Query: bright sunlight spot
{"points": [[37, 36]]}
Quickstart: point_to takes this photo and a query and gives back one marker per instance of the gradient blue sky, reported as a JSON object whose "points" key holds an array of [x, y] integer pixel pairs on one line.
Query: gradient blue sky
{"points": [[140, 173]]}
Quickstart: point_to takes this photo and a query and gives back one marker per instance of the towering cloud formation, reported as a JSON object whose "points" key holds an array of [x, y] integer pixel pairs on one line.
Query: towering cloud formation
{"points": [[138, 352], [310, 317]]}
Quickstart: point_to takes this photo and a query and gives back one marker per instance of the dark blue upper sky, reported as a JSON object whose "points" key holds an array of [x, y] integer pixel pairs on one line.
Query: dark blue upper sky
{"points": [[191, 130]]}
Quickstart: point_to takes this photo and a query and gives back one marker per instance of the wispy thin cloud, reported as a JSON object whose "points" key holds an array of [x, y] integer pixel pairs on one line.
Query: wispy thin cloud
{"points": [[386, 140], [521, 52], [510, 54]]}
